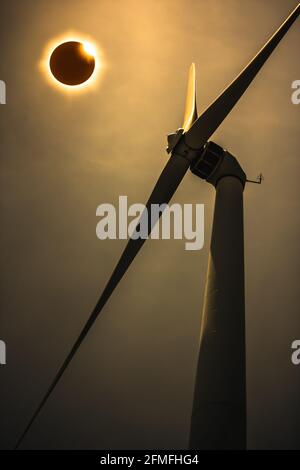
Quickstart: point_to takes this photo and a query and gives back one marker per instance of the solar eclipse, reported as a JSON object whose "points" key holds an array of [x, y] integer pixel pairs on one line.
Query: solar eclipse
{"points": [[71, 63]]}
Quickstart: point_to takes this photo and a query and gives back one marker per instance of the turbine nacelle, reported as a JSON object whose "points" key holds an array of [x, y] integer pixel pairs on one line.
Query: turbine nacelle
{"points": [[215, 162]]}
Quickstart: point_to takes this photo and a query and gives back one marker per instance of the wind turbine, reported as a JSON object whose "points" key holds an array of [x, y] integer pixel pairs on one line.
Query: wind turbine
{"points": [[219, 411]]}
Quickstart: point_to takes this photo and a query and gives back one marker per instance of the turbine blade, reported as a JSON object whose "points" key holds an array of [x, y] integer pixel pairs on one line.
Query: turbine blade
{"points": [[190, 114], [211, 119], [163, 191]]}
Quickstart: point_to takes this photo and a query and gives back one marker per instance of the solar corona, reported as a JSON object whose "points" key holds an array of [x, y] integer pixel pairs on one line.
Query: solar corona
{"points": [[72, 63]]}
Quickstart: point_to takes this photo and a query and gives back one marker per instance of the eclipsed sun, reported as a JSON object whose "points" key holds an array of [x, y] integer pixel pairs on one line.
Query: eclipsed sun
{"points": [[72, 63]]}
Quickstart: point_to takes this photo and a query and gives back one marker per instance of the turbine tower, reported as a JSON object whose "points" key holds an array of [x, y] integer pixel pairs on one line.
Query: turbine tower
{"points": [[219, 406], [219, 411]]}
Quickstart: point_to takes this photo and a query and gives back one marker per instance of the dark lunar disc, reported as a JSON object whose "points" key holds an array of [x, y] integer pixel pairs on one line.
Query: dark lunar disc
{"points": [[71, 64]]}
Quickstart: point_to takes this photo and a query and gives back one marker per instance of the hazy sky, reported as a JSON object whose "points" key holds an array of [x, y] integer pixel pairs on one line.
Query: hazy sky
{"points": [[131, 384]]}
